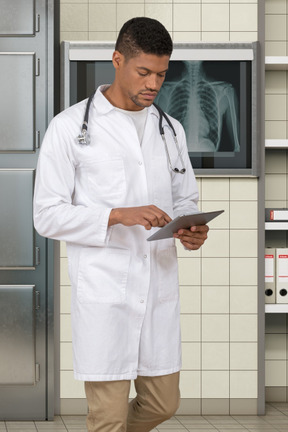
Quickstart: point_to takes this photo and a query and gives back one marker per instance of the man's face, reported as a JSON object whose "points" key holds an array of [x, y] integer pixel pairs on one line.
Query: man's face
{"points": [[139, 79]]}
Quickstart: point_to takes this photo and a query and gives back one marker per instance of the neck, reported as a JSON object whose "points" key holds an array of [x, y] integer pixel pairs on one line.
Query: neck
{"points": [[113, 95]]}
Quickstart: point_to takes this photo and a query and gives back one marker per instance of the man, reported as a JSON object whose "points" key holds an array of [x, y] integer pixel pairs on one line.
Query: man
{"points": [[104, 199]]}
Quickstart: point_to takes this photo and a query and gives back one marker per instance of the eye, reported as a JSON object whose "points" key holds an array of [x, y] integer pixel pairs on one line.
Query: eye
{"points": [[143, 74]]}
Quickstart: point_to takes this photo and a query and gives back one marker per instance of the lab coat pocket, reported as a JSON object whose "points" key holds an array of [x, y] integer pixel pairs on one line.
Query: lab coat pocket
{"points": [[107, 181], [161, 183], [168, 274], [102, 276]]}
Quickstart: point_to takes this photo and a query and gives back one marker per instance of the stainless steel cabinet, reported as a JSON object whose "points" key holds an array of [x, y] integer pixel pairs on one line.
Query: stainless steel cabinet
{"points": [[26, 264]]}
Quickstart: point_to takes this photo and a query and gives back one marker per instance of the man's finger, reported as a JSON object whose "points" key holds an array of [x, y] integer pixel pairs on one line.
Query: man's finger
{"points": [[199, 228]]}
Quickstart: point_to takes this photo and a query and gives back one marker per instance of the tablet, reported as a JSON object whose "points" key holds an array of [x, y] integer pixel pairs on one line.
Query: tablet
{"points": [[185, 221]]}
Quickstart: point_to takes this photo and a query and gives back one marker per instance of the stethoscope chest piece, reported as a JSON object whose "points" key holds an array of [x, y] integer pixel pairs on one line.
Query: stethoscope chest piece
{"points": [[84, 137]]}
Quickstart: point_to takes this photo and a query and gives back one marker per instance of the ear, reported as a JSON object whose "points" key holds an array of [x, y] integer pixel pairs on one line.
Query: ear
{"points": [[117, 59]]}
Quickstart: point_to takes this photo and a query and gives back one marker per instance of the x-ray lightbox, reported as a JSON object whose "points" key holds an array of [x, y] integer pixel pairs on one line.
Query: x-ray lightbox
{"points": [[212, 89]]}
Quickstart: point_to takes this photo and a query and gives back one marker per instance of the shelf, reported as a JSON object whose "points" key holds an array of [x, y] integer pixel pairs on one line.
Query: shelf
{"points": [[276, 308], [276, 143], [276, 62], [276, 226]]}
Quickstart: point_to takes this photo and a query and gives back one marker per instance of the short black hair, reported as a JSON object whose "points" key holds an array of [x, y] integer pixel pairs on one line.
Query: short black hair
{"points": [[142, 34]]}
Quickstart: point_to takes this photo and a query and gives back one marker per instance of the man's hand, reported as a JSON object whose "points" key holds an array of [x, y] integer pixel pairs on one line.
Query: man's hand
{"points": [[194, 238], [148, 216]]}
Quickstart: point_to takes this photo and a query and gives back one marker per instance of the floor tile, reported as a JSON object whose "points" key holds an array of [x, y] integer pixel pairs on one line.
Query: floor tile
{"points": [[49, 425], [223, 420], [199, 427], [274, 420], [75, 426], [234, 428], [264, 430], [20, 428], [172, 429], [228, 429], [277, 420], [249, 421], [191, 419], [73, 417], [83, 429], [75, 422], [202, 430], [191, 422], [51, 428], [170, 424]]}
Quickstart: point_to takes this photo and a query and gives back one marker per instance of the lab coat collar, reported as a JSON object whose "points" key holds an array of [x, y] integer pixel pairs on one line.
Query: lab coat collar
{"points": [[100, 102], [103, 106]]}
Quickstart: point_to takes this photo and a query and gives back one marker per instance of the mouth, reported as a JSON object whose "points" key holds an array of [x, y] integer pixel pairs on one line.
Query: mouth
{"points": [[149, 96]]}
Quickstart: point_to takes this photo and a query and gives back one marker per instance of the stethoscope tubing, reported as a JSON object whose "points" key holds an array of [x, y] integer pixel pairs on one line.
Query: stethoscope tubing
{"points": [[83, 137]]}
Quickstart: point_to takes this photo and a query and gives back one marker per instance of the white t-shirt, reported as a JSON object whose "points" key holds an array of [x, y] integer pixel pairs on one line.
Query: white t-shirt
{"points": [[139, 119]]}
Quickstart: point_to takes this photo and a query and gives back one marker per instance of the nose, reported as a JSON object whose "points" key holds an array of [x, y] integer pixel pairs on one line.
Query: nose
{"points": [[153, 83]]}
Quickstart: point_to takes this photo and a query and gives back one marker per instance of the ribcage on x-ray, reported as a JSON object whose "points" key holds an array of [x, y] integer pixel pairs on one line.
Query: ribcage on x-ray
{"points": [[195, 105], [208, 103], [202, 106], [178, 102]]}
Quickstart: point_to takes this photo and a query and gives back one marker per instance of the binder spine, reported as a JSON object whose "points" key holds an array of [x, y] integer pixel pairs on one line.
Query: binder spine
{"points": [[270, 296], [282, 275]]}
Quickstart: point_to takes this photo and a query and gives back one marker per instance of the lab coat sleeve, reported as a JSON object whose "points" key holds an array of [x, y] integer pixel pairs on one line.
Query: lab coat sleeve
{"points": [[184, 187], [55, 216]]}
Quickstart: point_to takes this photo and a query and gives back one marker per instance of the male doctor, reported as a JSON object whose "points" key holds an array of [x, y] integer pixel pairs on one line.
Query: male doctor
{"points": [[105, 199]]}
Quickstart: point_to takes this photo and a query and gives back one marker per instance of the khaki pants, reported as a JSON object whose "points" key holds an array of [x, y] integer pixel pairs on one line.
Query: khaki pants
{"points": [[108, 410]]}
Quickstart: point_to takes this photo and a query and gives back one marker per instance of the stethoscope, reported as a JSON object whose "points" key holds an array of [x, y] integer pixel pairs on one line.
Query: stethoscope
{"points": [[83, 138]]}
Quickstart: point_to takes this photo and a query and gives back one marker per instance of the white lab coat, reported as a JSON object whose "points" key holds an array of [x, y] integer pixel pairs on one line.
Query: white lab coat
{"points": [[125, 296]]}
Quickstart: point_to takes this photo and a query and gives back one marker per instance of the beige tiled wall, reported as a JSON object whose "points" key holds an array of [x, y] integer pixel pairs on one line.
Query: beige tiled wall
{"points": [[218, 283], [276, 359], [276, 105], [187, 20], [276, 28]]}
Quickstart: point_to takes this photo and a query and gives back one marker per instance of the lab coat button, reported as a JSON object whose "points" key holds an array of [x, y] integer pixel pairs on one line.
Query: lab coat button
{"points": [[145, 256], [141, 301], [139, 163]]}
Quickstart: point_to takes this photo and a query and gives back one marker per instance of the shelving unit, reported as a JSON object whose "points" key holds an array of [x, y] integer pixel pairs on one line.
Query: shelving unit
{"points": [[276, 63]]}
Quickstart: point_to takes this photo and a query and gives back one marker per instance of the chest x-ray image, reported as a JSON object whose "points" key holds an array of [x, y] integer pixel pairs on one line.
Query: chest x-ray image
{"points": [[207, 106]]}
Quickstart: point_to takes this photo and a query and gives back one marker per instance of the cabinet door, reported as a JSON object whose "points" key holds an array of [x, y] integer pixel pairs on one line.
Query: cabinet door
{"points": [[26, 66]]}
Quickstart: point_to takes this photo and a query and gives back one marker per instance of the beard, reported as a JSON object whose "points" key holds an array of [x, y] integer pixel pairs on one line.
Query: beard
{"points": [[140, 102]]}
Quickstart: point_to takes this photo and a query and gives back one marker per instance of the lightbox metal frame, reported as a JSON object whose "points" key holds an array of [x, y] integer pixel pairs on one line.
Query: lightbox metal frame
{"points": [[93, 51]]}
